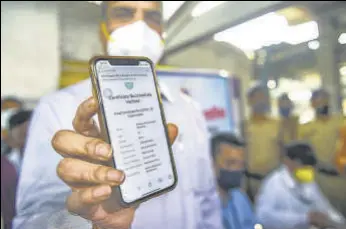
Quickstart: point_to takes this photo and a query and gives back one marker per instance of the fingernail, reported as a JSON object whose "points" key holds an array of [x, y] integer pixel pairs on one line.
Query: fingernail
{"points": [[102, 191], [102, 150], [116, 176]]}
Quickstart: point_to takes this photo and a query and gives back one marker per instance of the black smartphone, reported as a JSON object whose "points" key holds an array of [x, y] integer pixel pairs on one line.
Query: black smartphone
{"points": [[132, 121]]}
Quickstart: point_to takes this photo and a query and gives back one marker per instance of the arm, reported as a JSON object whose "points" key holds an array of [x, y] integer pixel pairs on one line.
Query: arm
{"points": [[272, 217], [40, 190], [208, 197], [207, 192], [323, 205]]}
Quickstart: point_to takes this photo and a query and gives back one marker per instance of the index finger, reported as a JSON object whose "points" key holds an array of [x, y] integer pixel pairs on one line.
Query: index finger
{"points": [[83, 122]]}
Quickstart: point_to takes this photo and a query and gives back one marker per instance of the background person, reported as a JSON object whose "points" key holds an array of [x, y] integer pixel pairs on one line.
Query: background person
{"points": [[323, 134], [262, 136], [341, 151], [290, 199], [289, 122], [18, 128], [229, 164]]}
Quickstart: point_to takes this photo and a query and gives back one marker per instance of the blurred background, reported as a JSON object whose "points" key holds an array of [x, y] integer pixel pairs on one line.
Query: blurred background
{"points": [[292, 47], [215, 51]]}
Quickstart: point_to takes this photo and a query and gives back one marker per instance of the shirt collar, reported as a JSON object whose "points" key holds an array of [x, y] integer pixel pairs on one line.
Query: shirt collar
{"points": [[165, 93], [287, 177]]}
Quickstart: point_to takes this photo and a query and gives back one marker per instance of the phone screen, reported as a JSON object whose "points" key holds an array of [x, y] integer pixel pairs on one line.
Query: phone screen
{"points": [[136, 127]]}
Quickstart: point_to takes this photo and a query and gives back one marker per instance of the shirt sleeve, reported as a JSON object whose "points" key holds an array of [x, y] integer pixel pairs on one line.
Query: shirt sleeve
{"points": [[206, 188], [59, 220], [271, 216], [40, 191], [324, 205]]}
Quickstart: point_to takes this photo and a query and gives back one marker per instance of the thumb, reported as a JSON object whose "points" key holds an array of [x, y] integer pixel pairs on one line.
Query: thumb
{"points": [[172, 132]]}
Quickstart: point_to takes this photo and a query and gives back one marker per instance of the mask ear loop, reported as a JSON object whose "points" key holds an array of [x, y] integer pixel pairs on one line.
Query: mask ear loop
{"points": [[105, 32]]}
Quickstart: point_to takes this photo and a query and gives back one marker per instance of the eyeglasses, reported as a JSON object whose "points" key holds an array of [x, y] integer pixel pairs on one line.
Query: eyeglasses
{"points": [[124, 14]]}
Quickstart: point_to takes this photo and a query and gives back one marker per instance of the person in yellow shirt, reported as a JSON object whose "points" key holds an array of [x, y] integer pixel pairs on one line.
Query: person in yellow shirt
{"points": [[289, 121], [322, 133], [262, 135], [341, 151]]}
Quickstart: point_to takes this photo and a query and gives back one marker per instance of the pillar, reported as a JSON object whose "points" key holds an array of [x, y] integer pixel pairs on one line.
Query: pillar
{"points": [[327, 62]]}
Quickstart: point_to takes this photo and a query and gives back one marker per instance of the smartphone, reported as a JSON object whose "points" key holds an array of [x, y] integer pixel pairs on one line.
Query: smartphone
{"points": [[132, 121]]}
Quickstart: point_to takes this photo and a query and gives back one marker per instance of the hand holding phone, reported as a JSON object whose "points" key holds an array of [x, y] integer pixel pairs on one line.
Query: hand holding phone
{"points": [[84, 170]]}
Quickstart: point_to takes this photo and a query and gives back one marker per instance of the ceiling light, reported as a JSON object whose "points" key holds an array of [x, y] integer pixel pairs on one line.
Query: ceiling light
{"points": [[271, 84], [343, 71], [223, 73], [342, 38], [95, 2], [267, 30], [314, 45], [300, 95], [301, 33], [205, 6]]}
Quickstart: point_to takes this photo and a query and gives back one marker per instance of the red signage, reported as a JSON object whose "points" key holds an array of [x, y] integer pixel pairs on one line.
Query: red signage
{"points": [[214, 113]]}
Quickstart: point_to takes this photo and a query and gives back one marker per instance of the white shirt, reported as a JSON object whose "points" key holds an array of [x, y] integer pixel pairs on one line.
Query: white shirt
{"points": [[285, 204], [41, 194], [15, 158]]}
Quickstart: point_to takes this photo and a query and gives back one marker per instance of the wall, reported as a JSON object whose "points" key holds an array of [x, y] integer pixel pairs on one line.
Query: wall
{"points": [[29, 48], [79, 26]]}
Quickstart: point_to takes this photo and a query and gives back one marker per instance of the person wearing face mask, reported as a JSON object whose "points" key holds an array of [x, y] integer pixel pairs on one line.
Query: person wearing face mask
{"points": [[64, 170], [229, 165], [262, 135], [290, 199], [323, 133], [289, 122], [340, 159]]}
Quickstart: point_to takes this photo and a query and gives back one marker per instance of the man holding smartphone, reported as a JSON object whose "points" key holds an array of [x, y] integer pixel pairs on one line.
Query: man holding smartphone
{"points": [[129, 28]]}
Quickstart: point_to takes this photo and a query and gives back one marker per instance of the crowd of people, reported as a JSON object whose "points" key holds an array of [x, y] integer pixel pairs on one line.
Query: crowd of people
{"points": [[278, 175]]}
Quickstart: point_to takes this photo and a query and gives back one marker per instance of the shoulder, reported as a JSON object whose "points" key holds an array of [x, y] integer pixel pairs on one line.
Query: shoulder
{"points": [[271, 180], [68, 95], [56, 110], [64, 101]]}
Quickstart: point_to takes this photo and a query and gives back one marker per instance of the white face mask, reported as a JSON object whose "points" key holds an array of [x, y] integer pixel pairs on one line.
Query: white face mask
{"points": [[136, 39]]}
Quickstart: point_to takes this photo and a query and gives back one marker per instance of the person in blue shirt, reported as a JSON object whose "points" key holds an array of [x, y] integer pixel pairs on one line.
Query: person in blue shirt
{"points": [[228, 153]]}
